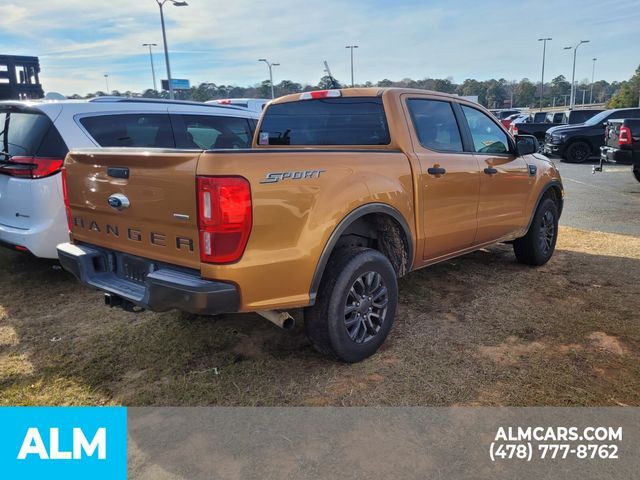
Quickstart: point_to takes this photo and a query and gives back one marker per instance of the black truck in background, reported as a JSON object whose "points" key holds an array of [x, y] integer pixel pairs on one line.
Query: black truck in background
{"points": [[578, 143], [538, 130], [621, 145]]}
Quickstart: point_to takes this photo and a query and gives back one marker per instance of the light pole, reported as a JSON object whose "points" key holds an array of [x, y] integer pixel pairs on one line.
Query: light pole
{"points": [[573, 75], [106, 80], [544, 51], [161, 3], [593, 75], [270, 65], [153, 70], [351, 47]]}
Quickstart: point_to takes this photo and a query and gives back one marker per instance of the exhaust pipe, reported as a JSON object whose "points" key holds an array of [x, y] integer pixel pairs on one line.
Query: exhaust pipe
{"points": [[280, 319]]}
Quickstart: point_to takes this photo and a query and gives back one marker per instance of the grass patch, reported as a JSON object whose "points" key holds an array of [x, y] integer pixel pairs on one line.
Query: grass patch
{"points": [[477, 330]]}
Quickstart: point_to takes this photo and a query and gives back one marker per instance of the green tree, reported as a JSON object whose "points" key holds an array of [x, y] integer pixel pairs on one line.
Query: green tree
{"points": [[628, 94], [525, 93]]}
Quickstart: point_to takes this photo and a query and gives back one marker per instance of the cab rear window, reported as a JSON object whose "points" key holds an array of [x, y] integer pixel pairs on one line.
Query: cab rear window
{"points": [[326, 121]]}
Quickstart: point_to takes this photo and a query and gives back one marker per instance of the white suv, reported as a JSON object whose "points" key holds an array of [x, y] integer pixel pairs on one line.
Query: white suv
{"points": [[36, 136]]}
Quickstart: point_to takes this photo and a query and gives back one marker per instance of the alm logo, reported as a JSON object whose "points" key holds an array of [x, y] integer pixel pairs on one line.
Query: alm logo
{"points": [[33, 444]]}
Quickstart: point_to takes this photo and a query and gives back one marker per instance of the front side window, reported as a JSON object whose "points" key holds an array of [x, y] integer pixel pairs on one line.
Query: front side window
{"points": [[487, 136], [326, 121], [130, 130], [435, 124], [209, 132]]}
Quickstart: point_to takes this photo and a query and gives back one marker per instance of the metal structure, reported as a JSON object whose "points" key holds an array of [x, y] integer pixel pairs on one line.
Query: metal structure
{"points": [[19, 78], [161, 3], [351, 47], [153, 70], [544, 52], [270, 65], [572, 102], [593, 75], [106, 80]]}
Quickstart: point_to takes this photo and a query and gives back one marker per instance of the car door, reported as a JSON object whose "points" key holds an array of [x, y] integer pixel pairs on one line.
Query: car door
{"points": [[504, 179], [449, 178]]}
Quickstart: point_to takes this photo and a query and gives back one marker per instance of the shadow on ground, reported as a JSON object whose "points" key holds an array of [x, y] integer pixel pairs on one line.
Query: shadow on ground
{"points": [[478, 330]]}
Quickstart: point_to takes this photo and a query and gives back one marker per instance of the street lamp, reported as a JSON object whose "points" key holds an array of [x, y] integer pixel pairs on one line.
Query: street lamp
{"points": [[351, 47], [544, 51], [593, 75], [573, 75], [153, 70], [106, 79], [161, 3], [270, 65]]}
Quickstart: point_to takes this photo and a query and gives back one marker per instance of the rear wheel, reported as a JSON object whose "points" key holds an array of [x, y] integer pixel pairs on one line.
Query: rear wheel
{"points": [[578, 152], [636, 173], [538, 245], [355, 306]]}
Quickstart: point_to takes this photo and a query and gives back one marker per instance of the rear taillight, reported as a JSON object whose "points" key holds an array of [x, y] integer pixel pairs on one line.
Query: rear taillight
{"points": [[624, 137], [32, 167], [514, 129], [224, 218], [65, 196]]}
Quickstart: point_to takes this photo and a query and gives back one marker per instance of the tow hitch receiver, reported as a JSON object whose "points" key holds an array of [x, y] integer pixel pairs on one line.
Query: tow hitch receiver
{"points": [[114, 301]]}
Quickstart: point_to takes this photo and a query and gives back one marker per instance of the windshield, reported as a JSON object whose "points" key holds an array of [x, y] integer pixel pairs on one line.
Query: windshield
{"points": [[599, 118]]}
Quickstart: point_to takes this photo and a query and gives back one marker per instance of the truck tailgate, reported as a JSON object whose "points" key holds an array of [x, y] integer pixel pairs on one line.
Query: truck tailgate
{"points": [[160, 221]]}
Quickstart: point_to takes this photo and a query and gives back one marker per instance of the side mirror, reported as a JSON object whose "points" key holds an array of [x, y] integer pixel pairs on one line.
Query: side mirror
{"points": [[526, 144]]}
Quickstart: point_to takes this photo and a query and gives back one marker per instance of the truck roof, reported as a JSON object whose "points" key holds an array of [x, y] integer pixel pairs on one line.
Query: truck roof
{"points": [[370, 92]]}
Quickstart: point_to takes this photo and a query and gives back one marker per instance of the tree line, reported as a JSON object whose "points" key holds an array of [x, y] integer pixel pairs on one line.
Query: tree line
{"points": [[492, 93]]}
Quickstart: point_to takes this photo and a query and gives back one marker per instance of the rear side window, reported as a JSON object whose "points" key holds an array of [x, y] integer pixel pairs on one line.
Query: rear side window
{"points": [[327, 121], [130, 130], [435, 124], [209, 132], [29, 134]]}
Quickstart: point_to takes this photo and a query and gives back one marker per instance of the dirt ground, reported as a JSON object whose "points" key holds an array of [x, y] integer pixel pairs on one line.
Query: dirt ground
{"points": [[478, 330]]}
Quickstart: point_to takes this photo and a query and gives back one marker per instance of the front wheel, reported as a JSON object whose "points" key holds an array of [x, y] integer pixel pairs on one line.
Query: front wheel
{"points": [[355, 306], [578, 152], [538, 245]]}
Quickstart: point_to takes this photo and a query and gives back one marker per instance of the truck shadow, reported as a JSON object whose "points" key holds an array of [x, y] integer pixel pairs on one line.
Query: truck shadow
{"points": [[480, 329]]}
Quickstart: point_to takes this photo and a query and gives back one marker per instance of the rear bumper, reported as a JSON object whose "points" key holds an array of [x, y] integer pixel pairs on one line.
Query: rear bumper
{"points": [[616, 155], [163, 288]]}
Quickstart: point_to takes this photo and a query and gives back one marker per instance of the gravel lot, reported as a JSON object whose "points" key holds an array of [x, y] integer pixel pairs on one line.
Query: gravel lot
{"points": [[478, 330]]}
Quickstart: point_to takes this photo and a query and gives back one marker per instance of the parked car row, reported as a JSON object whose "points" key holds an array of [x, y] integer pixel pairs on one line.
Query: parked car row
{"points": [[36, 136], [577, 143], [550, 119]]}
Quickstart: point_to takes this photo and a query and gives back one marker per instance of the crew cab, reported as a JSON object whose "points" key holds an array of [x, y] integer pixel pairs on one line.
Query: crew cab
{"points": [[578, 143], [622, 145], [342, 193]]}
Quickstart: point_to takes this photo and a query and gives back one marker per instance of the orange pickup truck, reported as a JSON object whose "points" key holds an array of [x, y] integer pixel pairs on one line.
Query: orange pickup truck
{"points": [[342, 192]]}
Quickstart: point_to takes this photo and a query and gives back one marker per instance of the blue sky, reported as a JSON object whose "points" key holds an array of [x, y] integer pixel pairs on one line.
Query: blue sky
{"points": [[78, 41]]}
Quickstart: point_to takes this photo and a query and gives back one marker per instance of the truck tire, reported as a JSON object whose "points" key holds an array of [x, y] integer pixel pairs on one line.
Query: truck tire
{"points": [[355, 305], [636, 173], [538, 245], [578, 152]]}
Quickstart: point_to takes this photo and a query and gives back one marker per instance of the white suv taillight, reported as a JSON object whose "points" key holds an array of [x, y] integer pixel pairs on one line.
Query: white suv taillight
{"points": [[224, 218], [32, 167]]}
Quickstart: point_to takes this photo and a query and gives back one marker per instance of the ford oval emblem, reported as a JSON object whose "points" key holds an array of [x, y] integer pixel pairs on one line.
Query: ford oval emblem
{"points": [[118, 201]]}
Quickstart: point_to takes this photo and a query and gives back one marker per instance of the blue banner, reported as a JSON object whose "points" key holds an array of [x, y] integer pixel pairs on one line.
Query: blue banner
{"points": [[63, 442]]}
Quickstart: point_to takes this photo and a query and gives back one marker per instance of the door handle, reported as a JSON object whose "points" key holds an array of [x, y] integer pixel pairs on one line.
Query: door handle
{"points": [[436, 171], [490, 171]]}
